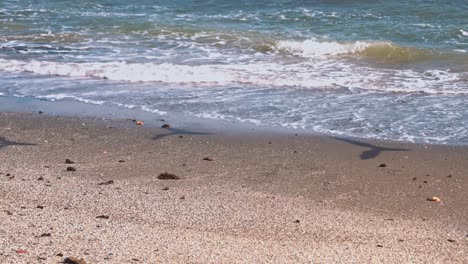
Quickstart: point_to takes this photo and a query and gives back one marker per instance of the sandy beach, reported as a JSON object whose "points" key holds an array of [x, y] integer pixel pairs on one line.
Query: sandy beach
{"points": [[240, 198]]}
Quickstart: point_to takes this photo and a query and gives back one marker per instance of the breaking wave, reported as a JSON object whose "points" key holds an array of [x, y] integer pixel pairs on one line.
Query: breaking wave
{"points": [[380, 52], [318, 75]]}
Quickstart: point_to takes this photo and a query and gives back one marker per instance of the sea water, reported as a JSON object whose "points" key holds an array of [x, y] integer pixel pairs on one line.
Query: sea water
{"points": [[393, 70]]}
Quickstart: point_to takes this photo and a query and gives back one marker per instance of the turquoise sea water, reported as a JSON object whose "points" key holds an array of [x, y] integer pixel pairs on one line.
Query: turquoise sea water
{"points": [[380, 69]]}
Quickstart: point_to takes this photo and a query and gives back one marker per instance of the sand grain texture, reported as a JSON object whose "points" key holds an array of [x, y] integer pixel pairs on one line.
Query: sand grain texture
{"points": [[300, 199]]}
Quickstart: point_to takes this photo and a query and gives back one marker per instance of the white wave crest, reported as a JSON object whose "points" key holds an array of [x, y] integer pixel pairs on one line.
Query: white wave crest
{"points": [[314, 48]]}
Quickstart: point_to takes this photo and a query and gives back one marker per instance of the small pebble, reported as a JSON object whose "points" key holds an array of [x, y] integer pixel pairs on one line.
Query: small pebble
{"points": [[106, 183], [168, 176], [73, 260], [434, 199], [103, 216]]}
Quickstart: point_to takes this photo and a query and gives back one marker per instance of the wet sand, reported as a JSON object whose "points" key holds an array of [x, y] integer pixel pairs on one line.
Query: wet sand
{"points": [[241, 197]]}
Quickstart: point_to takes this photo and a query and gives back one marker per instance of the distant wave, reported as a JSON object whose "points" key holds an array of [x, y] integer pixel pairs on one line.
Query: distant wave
{"points": [[382, 52]]}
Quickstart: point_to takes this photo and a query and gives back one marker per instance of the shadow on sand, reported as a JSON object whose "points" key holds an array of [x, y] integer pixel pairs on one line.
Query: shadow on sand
{"points": [[373, 151], [175, 131], [5, 143]]}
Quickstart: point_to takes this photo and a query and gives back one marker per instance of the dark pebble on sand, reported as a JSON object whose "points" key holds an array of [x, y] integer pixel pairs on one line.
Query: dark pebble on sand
{"points": [[106, 183], [182, 197], [73, 260], [449, 176], [71, 169], [297, 221], [168, 176], [166, 126], [68, 161], [59, 255], [121, 161], [451, 240], [415, 178], [424, 181], [135, 259], [383, 165], [40, 178], [380, 246], [103, 216], [208, 159], [40, 207], [46, 235], [165, 189]]}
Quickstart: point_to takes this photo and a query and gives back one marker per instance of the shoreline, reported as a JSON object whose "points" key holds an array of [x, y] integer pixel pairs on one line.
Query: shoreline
{"points": [[77, 109], [265, 197]]}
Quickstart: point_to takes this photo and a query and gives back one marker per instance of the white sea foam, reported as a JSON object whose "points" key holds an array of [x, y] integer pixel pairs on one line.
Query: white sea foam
{"points": [[153, 110], [53, 97], [319, 74], [463, 32]]}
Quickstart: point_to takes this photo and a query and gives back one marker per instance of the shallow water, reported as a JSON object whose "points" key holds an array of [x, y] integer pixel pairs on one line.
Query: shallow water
{"points": [[381, 69]]}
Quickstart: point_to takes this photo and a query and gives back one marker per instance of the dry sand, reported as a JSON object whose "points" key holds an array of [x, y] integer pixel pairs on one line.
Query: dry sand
{"points": [[258, 198]]}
